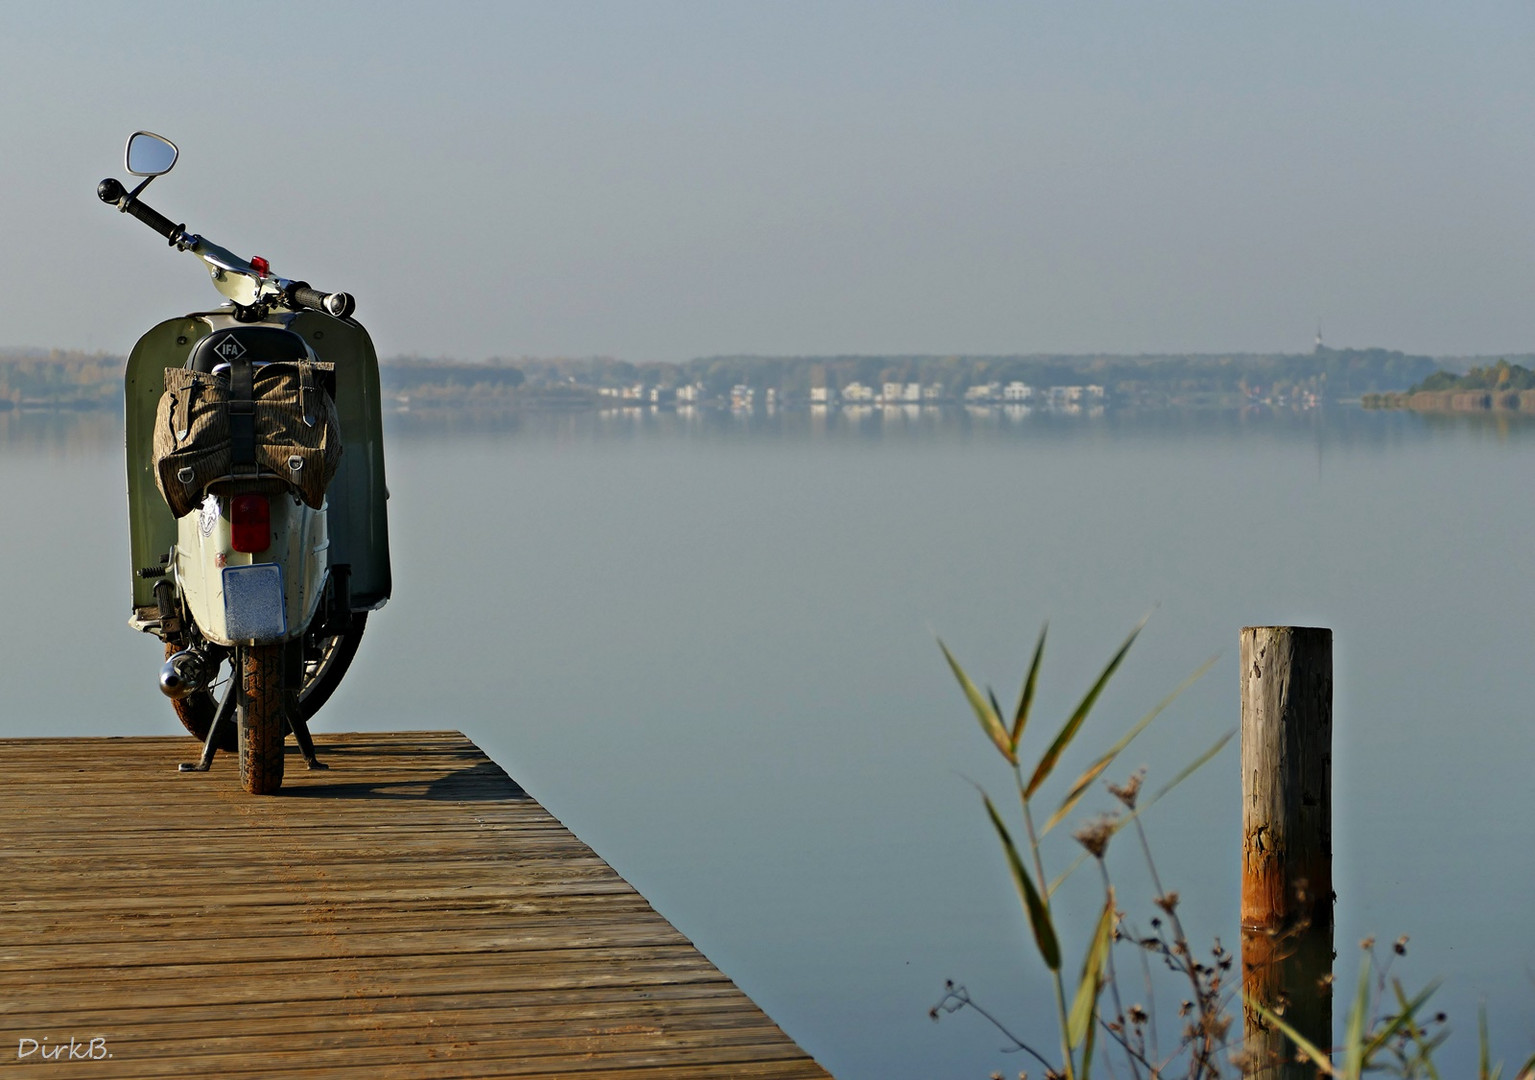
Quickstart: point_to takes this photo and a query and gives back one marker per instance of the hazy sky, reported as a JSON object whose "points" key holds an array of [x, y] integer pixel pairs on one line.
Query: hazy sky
{"points": [[657, 181]]}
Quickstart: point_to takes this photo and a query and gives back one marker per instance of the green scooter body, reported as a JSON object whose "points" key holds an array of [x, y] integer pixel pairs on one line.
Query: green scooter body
{"points": [[357, 497]]}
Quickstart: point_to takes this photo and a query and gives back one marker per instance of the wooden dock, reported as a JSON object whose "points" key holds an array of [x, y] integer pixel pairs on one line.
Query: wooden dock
{"points": [[411, 912]]}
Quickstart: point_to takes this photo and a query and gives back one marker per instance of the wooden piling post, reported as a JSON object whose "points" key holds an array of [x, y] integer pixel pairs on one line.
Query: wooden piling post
{"points": [[1287, 897]]}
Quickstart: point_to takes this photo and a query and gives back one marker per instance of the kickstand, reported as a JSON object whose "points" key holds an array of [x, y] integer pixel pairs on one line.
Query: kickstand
{"points": [[224, 715], [300, 729]]}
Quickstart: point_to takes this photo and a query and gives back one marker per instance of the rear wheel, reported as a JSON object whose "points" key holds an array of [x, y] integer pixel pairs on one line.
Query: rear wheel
{"points": [[262, 717], [326, 659]]}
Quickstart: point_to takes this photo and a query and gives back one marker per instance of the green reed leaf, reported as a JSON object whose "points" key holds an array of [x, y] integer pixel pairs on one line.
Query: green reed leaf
{"points": [[1060, 879], [1026, 695], [996, 706], [1080, 1021], [1073, 725], [1039, 916], [1402, 1019], [1187, 771], [1484, 1057], [1353, 1036], [1431, 1045], [991, 720], [1425, 1047], [1322, 1061], [1096, 770], [1087, 1052]]}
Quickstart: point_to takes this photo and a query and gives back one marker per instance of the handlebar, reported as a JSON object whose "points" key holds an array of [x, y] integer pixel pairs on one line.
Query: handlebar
{"points": [[339, 304], [259, 285], [112, 191]]}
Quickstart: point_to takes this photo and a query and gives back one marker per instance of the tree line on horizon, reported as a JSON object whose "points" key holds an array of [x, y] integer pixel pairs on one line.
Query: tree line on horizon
{"points": [[73, 378], [1502, 375], [1147, 379]]}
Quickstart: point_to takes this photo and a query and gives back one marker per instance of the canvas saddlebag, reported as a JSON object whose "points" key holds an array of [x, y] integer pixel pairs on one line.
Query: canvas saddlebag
{"points": [[294, 432]]}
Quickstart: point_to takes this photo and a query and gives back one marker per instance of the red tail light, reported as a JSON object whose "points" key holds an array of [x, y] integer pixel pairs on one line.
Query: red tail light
{"points": [[250, 523]]}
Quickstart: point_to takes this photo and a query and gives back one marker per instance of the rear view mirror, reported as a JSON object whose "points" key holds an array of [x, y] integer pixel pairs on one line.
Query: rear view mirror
{"points": [[149, 155]]}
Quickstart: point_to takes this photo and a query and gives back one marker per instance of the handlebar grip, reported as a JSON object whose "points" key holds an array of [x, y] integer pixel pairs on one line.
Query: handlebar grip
{"points": [[339, 304], [110, 191], [154, 219]]}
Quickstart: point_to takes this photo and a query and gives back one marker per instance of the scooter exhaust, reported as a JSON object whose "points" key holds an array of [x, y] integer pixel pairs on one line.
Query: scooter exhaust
{"points": [[184, 673]]}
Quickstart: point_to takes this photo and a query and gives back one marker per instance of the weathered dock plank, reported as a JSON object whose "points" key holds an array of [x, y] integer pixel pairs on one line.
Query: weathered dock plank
{"points": [[410, 913]]}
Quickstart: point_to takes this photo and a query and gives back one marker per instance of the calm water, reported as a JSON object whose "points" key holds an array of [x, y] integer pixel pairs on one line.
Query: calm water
{"points": [[708, 647]]}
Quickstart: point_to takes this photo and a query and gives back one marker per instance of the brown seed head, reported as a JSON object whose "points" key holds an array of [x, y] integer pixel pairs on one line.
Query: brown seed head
{"points": [[1095, 835], [1131, 789]]}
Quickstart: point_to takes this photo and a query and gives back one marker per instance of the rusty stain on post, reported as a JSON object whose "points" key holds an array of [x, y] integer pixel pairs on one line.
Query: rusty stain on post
{"points": [[1287, 897]]}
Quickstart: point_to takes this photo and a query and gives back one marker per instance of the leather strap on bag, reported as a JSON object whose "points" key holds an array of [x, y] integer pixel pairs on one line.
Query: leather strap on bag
{"points": [[242, 417], [186, 418], [307, 389]]}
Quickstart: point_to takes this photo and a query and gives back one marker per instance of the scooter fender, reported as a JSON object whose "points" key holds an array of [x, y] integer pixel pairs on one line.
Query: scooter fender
{"points": [[243, 598]]}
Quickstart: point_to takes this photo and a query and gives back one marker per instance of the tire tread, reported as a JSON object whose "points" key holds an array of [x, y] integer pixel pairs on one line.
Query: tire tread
{"points": [[263, 720]]}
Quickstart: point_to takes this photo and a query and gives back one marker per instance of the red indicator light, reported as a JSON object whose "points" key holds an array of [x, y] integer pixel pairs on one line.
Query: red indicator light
{"points": [[261, 266], [250, 523]]}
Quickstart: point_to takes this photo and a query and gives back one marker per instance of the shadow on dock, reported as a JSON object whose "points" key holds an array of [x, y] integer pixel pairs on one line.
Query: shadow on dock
{"points": [[482, 780]]}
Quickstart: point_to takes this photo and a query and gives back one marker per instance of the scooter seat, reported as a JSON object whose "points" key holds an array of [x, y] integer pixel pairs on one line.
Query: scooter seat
{"points": [[261, 344]]}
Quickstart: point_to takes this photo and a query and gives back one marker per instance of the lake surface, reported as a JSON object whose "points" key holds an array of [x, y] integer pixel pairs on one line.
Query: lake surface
{"points": [[707, 645]]}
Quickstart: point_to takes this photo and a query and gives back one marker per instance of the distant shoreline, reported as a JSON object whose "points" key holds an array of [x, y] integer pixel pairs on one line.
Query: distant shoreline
{"points": [[1455, 401], [40, 381]]}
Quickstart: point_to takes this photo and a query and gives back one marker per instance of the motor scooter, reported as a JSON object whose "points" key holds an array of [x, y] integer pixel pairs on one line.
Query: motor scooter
{"points": [[257, 552]]}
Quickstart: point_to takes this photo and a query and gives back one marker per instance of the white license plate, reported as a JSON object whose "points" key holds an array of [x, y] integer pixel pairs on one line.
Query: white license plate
{"points": [[253, 603]]}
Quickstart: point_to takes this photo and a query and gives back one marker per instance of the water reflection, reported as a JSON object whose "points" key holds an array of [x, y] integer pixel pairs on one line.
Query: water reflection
{"points": [[91, 431], [1011, 422], [704, 640], [61, 432]]}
